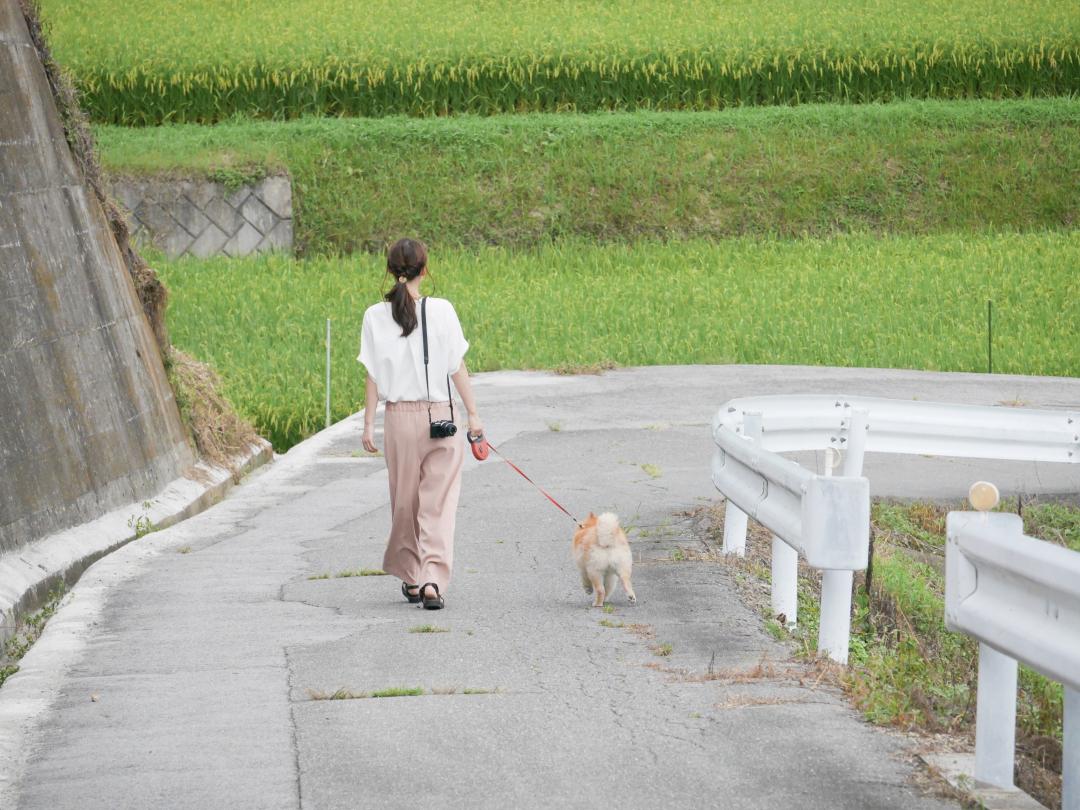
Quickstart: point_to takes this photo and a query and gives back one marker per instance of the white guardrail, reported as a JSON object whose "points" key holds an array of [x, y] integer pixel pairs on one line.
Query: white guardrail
{"points": [[1020, 597], [827, 518]]}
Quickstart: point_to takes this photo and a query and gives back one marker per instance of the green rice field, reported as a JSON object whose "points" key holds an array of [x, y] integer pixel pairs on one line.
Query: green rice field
{"points": [[859, 300], [205, 61]]}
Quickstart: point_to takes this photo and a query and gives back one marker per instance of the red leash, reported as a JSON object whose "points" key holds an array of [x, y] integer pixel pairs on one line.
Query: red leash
{"points": [[480, 443]]}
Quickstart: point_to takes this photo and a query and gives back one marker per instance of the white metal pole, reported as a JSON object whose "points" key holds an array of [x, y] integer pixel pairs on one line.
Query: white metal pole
{"points": [[1070, 754], [328, 372], [995, 718], [785, 581], [734, 517], [834, 631], [734, 530]]}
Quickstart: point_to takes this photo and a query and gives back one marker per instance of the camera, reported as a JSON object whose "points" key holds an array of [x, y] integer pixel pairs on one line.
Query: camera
{"points": [[443, 429]]}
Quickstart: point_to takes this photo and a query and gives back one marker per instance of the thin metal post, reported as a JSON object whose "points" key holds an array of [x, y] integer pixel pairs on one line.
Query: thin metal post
{"points": [[734, 517], [989, 337], [995, 718], [328, 372], [1070, 754]]}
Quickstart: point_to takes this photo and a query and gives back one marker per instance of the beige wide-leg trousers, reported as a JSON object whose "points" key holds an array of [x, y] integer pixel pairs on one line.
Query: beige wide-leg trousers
{"points": [[425, 482]]}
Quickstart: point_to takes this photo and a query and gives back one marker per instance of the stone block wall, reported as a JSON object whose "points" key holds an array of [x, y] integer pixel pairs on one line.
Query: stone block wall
{"points": [[202, 218]]}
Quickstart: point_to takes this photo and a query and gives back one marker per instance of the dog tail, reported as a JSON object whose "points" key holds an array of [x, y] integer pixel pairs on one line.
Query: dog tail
{"points": [[607, 529]]}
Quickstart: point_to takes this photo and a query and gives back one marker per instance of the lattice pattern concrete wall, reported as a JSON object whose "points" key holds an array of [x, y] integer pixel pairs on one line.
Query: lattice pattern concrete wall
{"points": [[203, 218]]}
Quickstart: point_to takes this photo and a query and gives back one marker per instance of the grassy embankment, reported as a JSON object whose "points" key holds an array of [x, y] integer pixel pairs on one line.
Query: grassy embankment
{"points": [[204, 60], [260, 322], [521, 181], [905, 668]]}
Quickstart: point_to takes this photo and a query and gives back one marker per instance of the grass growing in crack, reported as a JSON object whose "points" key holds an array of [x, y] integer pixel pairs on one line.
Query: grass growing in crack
{"points": [[346, 694], [610, 623], [663, 650], [357, 572], [608, 608], [428, 628], [28, 632], [141, 524], [340, 694], [362, 572], [468, 690], [184, 550], [398, 691], [651, 470]]}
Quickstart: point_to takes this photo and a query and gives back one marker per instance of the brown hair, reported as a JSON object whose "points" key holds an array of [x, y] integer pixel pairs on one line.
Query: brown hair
{"points": [[405, 260]]}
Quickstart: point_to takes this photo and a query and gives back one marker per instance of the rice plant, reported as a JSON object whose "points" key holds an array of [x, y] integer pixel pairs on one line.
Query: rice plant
{"points": [[860, 300], [204, 61]]}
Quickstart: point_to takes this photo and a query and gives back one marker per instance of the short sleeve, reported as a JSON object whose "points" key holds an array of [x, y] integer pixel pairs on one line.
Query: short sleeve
{"points": [[367, 345], [456, 344]]}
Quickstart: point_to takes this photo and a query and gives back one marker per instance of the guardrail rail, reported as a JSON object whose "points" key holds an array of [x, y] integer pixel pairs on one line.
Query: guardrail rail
{"points": [[1020, 598], [827, 518]]}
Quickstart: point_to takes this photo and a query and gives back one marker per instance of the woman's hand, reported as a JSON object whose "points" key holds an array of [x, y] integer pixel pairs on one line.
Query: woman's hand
{"points": [[369, 439], [476, 427]]}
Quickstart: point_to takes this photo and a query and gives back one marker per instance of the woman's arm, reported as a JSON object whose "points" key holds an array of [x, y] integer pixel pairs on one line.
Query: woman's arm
{"points": [[371, 397], [464, 387]]}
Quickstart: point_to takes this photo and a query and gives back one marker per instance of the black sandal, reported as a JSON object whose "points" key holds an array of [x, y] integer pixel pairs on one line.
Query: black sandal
{"points": [[412, 597], [432, 602]]}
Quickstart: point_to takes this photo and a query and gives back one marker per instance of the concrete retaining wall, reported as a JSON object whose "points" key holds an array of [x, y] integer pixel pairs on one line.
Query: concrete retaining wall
{"points": [[203, 218], [88, 418]]}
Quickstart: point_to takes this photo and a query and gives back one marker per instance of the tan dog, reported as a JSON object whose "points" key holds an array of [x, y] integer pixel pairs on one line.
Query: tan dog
{"points": [[602, 554]]}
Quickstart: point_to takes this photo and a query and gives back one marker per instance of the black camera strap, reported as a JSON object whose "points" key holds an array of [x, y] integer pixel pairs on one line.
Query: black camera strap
{"points": [[427, 383]]}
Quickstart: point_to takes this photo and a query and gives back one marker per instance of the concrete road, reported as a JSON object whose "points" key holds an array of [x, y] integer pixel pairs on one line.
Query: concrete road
{"points": [[189, 670]]}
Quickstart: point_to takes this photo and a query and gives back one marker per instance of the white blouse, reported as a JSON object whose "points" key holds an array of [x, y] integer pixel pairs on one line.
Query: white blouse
{"points": [[396, 363]]}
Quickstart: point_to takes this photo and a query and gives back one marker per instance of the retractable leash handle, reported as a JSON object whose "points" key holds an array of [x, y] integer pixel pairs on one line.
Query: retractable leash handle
{"points": [[479, 446]]}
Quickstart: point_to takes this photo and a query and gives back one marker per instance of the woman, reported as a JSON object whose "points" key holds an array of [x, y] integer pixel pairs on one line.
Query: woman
{"points": [[424, 471]]}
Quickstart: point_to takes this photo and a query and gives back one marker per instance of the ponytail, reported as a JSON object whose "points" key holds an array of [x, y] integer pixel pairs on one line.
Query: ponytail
{"points": [[405, 260]]}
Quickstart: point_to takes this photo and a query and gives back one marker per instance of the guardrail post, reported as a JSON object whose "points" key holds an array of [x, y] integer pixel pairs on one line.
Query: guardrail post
{"points": [[734, 517], [995, 718], [785, 581], [834, 631], [1070, 755]]}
